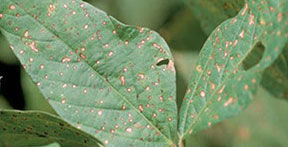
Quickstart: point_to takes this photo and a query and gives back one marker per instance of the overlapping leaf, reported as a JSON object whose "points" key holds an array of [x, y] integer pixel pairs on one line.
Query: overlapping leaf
{"points": [[275, 78], [220, 86], [113, 81], [211, 13], [19, 128]]}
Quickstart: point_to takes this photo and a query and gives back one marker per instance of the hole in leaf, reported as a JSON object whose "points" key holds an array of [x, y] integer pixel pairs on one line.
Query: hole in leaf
{"points": [[162, 62], [254, 56]]}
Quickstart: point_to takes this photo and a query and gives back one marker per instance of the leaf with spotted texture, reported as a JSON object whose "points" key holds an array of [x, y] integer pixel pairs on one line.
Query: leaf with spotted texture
{"points": [[31, 128], [114, 81], [220, 86], [275, 77], [211, 13]]}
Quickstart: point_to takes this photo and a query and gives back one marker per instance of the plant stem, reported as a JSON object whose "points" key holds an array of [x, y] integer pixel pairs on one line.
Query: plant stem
{"points": [[180, 143]]}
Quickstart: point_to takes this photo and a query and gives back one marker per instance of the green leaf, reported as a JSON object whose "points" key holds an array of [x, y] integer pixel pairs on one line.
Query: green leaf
{"points": [[253, 127], [34, 100], [31, 128], [220, 86], [52, 145], [6, 55], [111, 80], [4, 104], [212, 13], [275, 78]]}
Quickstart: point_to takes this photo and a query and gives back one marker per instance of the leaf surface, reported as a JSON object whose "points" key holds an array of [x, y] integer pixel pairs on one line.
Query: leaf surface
{"points": [[275, 78], [220, 87], [111, 80], [212, 13], [52, 145], [34, 100], [31, 128]]}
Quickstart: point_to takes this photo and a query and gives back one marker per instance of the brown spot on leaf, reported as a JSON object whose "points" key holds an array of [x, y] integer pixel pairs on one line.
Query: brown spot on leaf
{"points": [[241, 35], [65, 59], [122, 80], [12, 7], [228, 102], [280, 17], [33, 46], [170, 66], [251, 19], [245, 9]]}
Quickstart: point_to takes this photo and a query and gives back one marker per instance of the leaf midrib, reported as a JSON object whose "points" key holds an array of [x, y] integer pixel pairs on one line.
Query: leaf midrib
{"points": [[169, 141]]}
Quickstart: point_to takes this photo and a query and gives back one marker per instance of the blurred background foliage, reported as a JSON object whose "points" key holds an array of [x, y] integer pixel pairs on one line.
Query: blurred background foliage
{"points": [[263, 123]]}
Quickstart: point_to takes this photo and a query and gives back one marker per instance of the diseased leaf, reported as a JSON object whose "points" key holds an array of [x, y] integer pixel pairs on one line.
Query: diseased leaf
{"points": [[252, 128], [211, 13], [275, 77], [220, 86], [31, 128], [34, 100], [111, 80]]}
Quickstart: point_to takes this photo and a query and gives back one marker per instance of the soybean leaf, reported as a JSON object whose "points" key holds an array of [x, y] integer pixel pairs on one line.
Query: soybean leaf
{"points": [[210, 13], [220, 86], [3, 103], [275, 78], [31, 128], [34, 100], [253, 127], [6, 55], [52, 145], [111, 80]]}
